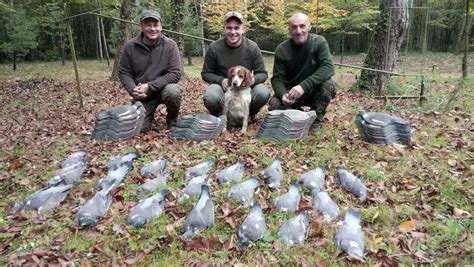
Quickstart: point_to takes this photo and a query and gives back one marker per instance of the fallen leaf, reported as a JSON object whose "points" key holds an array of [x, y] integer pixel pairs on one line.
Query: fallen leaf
{"points": [[407, 226], [459, 213]]}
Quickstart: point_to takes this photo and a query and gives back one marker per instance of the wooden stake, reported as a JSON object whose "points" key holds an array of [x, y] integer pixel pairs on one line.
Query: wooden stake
{"points": [[74, 61]]}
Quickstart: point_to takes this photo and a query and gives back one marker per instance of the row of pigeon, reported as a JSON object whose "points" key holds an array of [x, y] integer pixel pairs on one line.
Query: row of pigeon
{"points": [[382, 128], [120, 122], [349, 235]]}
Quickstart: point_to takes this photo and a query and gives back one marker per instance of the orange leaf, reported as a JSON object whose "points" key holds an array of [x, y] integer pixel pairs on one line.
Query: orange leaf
{"points": [[407, 226]]}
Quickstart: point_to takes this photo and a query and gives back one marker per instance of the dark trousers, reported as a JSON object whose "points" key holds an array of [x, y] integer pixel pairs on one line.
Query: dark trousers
{"points": [[170, 96], [318, 100]]}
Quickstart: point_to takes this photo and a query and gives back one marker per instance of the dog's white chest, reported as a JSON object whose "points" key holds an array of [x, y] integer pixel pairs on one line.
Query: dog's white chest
{"points": [[237, 104]]}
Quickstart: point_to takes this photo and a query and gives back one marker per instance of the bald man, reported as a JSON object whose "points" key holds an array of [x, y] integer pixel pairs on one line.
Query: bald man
{"points": [[302, 71]]}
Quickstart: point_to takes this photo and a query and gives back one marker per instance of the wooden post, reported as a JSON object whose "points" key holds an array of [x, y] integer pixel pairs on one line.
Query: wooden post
{"points": [[422, 91], [106, 47], [466, 41], [73, 53]]}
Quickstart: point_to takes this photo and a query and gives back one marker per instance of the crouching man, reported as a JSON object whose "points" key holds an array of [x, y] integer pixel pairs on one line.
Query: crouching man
{"points": [[150, 68]]}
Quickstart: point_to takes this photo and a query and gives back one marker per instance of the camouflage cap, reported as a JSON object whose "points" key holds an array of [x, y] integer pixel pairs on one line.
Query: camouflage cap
{"points": [[233, 14]]}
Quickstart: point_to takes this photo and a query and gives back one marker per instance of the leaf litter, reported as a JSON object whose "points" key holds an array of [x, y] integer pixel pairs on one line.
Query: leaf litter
{"points": [[48, 124]]}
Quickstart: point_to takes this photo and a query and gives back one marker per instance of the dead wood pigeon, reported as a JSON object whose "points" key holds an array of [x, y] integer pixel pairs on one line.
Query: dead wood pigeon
{"points": [[114, 176], [288, 201], [252, 228], [44, 200], [147, 209], [313, 179], [71, 169], [192, 188], [201, 216], [293, 231], [154, 168], [96, 207], [324, 204], [203, 168], [232, 173], [243, 192], [119, 160], [349, 236], [151, 185], [352, 184], [273, 174]]}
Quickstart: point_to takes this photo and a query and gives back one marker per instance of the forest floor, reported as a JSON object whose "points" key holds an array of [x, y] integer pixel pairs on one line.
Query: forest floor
{"points": [[419, 208]]}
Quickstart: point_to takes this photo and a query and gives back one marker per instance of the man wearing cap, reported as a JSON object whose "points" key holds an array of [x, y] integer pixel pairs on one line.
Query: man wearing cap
{"points": [[232, 50], [150, 68], [302, 71]]}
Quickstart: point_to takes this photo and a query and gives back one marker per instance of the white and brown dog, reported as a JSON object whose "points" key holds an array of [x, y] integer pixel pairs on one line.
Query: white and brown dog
{"points": [[238, 97]]}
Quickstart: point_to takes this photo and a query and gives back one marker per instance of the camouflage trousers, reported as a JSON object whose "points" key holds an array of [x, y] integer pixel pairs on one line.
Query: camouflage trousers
{"points": [[318, 100], [170, 96]]}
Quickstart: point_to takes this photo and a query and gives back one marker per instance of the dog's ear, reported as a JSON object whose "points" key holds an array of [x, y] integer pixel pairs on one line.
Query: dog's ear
{"points": [[248, 77], [229, 76]]}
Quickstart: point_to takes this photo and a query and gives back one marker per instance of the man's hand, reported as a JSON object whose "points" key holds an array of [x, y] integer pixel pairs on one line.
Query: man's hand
{"points": [[225, 84], [295, 92], [141, 91], [285, 99]]}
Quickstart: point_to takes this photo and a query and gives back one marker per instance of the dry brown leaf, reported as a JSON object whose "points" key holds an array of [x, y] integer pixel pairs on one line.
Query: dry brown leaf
{"points": [[407, 226], [459, 213]]}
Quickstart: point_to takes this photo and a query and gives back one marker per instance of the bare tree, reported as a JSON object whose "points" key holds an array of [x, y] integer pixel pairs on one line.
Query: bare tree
{"points": [[126, 9], [384, 48]]}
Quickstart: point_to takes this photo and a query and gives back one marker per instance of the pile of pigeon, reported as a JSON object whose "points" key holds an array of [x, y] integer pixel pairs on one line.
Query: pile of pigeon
{"points": [[282, 125], [382, 128], [198, 127], [153, 194], [96, 207], [48, 198], [119, 123]]}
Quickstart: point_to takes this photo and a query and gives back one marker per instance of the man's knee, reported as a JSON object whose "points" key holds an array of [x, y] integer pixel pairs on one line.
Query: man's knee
{"points": [[214, 99], [171, 92], [329, 88], [260, 93]]}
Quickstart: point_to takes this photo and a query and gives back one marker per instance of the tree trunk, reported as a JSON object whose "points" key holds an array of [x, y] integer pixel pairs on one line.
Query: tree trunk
{"points": [[14, 60], [197, 6], [385, 47], [63, 49], [178, 25], [125, 34], [466, 40], [99, 41]]}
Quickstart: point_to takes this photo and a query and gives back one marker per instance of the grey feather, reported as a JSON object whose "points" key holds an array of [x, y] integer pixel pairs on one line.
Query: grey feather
{"points": [[192, 188], [96, 207], [201, 216], [151, 185], [313, 179], [324, 204], [252, 228], [122, 159], [352, 184], [44, 200], [293, 231], [243, 192], [71, 169], [147, 209], [154, 168], [349, 236], [233, 173], [288, 201], [203, 168], [115, 176], [273, 174]]}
